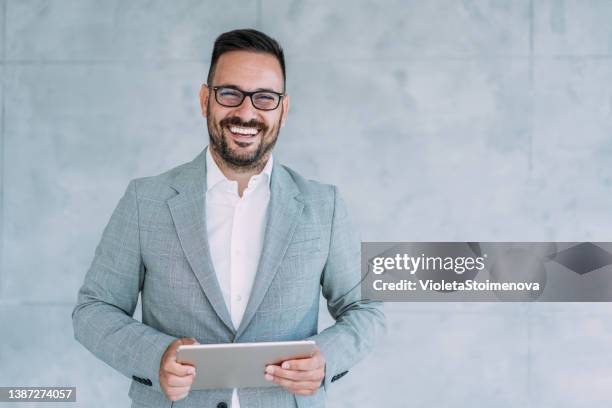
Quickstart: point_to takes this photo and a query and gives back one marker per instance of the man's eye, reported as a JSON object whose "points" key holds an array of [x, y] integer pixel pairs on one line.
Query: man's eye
{"points": [[229, 93], [265, 97]]}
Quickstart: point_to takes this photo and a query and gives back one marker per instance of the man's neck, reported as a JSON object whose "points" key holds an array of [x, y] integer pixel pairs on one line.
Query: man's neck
{"points": [[241, 175]]}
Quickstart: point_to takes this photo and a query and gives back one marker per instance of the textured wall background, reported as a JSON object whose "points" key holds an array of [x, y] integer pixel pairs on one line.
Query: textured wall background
{"points": [[439, 120]]}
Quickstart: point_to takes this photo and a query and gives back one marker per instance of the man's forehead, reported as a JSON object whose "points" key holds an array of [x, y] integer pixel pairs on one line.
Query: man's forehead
{"points": [[249, 71]]}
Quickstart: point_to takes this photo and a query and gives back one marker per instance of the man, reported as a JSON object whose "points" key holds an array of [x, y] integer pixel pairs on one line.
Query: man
{"points": [[230, 247]]}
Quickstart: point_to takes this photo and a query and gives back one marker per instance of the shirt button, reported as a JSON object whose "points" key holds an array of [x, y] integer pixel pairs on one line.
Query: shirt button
{"points": [[238, 298]]}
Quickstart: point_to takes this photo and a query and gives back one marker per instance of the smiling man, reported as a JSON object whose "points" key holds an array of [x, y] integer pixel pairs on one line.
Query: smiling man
{"points": [[230, 247]]}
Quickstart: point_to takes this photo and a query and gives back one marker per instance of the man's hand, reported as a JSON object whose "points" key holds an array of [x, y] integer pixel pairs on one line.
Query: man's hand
{"points": [[175, 379], [301, 377]]}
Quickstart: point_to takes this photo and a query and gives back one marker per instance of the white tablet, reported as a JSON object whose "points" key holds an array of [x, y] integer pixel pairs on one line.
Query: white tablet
{"points": [[239, 365]]}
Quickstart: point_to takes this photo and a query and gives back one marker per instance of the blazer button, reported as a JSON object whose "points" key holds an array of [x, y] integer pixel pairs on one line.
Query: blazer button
{"points": [[222, 405]]}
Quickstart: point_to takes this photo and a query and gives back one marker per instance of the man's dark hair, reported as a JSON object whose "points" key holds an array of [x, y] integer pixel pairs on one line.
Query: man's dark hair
{"points": [[246, 40]]}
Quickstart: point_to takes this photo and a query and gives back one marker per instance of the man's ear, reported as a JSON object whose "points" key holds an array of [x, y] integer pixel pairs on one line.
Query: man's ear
{"points": [[285, 107], [204, 95]]}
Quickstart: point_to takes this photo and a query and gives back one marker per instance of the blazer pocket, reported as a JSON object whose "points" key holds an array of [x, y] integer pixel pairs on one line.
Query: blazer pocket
{"points": [[304, 246]]}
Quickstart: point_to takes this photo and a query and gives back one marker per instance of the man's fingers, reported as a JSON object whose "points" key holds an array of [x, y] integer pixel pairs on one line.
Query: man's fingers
{"points": [[181, 370], [176, 381], [300, 382], [311, 375], [295, 386], [303, 364], [172, 366], [176, 378]]}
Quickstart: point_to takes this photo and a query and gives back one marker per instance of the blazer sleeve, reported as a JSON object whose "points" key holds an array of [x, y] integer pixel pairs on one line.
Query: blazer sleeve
{"points": [[102, 318], [359, 322]]}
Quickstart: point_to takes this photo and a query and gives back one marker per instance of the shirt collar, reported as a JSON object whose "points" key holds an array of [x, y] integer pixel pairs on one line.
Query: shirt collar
{"points": [[214, 175]]}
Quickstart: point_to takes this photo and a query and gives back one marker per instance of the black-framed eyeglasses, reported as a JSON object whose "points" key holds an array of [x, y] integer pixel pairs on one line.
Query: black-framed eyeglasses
{"points": [[232, 97]]}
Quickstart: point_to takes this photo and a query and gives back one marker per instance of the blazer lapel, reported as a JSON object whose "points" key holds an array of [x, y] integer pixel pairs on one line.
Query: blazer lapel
{"points": [[283, 213], [188, 213]]}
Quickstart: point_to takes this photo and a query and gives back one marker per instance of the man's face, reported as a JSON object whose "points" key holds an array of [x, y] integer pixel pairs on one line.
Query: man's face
{"points": [[246, 71]]}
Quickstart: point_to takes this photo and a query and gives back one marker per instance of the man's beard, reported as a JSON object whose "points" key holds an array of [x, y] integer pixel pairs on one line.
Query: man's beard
{"points": [[242, 161]]}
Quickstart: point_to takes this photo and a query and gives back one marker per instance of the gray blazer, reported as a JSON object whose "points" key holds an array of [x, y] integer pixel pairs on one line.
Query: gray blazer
{"points": [[156, 244]]}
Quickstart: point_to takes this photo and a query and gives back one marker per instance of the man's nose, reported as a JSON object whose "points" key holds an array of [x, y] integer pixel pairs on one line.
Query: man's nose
{"points": [[246, 111]]}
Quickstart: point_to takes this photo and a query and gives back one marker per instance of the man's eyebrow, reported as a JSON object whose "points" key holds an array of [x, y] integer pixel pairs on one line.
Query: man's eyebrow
{"points": [[232, 86], [266, 90]]}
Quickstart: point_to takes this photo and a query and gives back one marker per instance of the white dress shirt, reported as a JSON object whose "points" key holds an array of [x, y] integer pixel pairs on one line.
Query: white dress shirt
{"points": [[235, 227]]}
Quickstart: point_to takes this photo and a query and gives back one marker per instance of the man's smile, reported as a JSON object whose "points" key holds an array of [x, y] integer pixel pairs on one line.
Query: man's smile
{"points": [[243, 130], [243, 134]]}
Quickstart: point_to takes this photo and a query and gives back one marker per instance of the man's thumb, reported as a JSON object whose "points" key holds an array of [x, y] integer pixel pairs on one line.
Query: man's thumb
{"points": [[189, 340]]}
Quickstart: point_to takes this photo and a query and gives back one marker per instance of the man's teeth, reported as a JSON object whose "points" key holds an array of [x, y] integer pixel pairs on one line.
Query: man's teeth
{"points": [[243, 130]]}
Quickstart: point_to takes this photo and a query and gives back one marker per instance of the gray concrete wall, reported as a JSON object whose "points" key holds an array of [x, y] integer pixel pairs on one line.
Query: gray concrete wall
{"points": [[439, 120]]}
